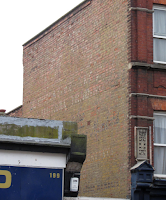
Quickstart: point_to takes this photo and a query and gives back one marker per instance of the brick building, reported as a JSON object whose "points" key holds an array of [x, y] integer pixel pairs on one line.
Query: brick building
{"points": [[17, 112], [102, 65]]}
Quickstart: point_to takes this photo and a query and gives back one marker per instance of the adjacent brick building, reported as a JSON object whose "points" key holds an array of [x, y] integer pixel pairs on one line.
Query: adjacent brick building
{"points": [[101, 66], [17, 112]]}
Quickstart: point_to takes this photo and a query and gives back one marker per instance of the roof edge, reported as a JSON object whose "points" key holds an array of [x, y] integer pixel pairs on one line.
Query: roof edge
{"points": [[57, 21], [14, 109]]}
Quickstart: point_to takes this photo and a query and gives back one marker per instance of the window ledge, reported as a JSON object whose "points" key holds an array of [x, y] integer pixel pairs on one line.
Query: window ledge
{"points": [[147, 65], [159, 62], [159, 145], [159, 176]]}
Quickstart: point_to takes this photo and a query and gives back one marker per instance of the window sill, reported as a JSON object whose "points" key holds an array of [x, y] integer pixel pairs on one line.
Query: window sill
{"points": [[147, 65], [159, 145], [160, 62], [159, 176]]}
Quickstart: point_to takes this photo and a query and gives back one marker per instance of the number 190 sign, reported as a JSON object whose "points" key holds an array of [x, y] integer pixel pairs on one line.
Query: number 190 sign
{"points": [[24, 183]]}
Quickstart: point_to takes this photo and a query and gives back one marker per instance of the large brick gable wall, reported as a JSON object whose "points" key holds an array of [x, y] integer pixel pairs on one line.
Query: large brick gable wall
{"points": [[77, 70]]}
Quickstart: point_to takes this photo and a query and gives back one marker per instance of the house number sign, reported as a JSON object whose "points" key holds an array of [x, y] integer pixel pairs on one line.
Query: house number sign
{"points": [[141, 143]]}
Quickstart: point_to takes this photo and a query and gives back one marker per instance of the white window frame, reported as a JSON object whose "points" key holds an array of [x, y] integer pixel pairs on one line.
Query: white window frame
{"points": [[158, 7], [159, 145]]}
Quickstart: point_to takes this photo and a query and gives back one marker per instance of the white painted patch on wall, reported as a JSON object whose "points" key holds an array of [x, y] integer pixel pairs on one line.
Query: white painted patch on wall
{"points": [[32, 159]]}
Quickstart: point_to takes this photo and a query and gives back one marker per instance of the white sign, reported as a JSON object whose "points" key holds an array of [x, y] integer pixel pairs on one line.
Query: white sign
{"points": [[141, 143], [74, 184]]}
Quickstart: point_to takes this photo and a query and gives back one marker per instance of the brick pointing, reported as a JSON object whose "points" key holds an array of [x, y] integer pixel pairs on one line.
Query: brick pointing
{"points": [[79, 72]]}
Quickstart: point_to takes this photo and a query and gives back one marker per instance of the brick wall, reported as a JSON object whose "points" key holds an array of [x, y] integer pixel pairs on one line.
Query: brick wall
{"points": [[146, 79], [141, 32], [77, 70], [17, 112], [151, 83]]}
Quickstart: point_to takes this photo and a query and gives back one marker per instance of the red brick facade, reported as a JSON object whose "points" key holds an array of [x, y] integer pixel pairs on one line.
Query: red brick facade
{"points": [[95, 66], [148, 89]]}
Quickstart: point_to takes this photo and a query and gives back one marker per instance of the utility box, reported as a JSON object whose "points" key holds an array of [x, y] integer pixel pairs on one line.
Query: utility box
{"points": [[141, 180], [142, 172]]}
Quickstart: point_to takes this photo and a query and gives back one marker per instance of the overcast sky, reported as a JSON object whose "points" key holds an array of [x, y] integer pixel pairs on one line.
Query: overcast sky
{"points": [[20, 21]]}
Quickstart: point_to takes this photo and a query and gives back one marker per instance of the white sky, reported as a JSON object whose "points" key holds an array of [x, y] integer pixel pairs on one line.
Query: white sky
{"points": [[21, 20]]}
